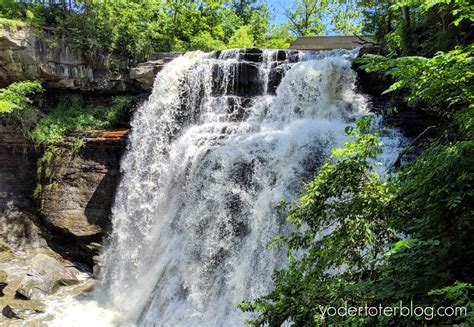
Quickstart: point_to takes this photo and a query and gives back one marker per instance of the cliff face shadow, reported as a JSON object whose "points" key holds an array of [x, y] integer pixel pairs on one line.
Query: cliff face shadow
{"points": [[17, 182], [88, 186], [98, 208]]}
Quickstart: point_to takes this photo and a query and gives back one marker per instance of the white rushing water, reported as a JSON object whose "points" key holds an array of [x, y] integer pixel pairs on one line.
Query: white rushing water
{"points": [[207, 162]]}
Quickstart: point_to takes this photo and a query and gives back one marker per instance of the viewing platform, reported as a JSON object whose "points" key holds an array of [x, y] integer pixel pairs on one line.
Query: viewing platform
{"points": [[328, 42]]}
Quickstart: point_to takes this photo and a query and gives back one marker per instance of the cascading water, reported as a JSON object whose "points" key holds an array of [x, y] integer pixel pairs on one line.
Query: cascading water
{"points": [[222, 138]]}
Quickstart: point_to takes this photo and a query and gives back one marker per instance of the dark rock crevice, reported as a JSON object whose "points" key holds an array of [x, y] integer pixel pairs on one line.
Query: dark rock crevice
{"points": [[410, 120]]}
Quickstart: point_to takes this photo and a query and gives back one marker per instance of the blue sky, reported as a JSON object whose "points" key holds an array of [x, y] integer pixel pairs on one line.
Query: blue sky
{"points": [[279, 18], [278, 6]]}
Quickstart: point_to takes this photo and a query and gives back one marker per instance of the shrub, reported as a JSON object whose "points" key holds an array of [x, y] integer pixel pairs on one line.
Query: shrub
{"points": [[242, 38], [18, 104], [73, 115], [204, 41]]}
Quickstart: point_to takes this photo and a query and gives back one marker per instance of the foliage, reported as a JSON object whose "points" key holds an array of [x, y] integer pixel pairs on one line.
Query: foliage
{"points": [[259, 24], [130, 31], [73, 115], [457, 295], [19, 96], [444, 213], [305, 17], [445, 79], [278, 38], [346, 17], [126, 29], [461, 9], [423, 27], [11, 23], [242, 38], [205, 42], [17, 104], [362, 240]]}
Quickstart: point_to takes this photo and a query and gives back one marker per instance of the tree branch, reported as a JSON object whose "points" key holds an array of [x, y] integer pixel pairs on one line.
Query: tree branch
{"points": [[365, 41], [396, 163]]}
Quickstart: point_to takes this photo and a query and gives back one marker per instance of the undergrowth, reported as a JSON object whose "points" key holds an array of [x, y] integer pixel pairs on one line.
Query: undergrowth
{"points": [[19, 107], [11, 24], [72, 114]]}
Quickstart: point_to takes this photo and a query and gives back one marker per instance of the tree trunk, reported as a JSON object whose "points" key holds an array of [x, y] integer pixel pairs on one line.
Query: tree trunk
{"points": [[407, 33]]}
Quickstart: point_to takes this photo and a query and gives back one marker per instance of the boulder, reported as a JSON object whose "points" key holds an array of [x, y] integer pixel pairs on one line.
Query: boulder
{"points": [[11, 313], [3, 281], [20, 309], [45, 275], [145, 72]]}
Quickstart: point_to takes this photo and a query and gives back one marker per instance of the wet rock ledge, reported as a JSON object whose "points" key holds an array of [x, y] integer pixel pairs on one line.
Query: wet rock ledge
{"points": [[48, 238]]}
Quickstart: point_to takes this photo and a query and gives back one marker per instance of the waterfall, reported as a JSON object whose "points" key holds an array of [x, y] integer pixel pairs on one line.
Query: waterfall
{"points": [[221, 139]]}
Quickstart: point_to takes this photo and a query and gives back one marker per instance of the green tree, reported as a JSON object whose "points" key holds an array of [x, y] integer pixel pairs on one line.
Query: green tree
{"points": [[447, 79], [345, 17], [407, 27], [259, 24], [18, 104], [205, 42], [279, 37], [242, 38], [341, 230], [305, 17], [244, 9]]}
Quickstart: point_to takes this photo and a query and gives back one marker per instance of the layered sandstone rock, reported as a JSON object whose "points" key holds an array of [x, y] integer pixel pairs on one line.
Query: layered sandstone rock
{"points": [[25, 56], [72, 211]]}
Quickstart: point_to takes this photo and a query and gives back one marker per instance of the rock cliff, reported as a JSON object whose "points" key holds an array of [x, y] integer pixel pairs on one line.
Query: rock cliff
{"points": [[76, 206], [27, 263], [65, 204], [17, 181], [26, 56], [72, 212]]}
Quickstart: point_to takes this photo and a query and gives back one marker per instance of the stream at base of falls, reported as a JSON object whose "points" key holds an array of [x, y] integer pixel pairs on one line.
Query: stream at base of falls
{"points": [[221, 139]]}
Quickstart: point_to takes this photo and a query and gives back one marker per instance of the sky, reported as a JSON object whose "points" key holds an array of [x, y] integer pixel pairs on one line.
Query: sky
{"points": [[279, 17], [278, 6]]}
